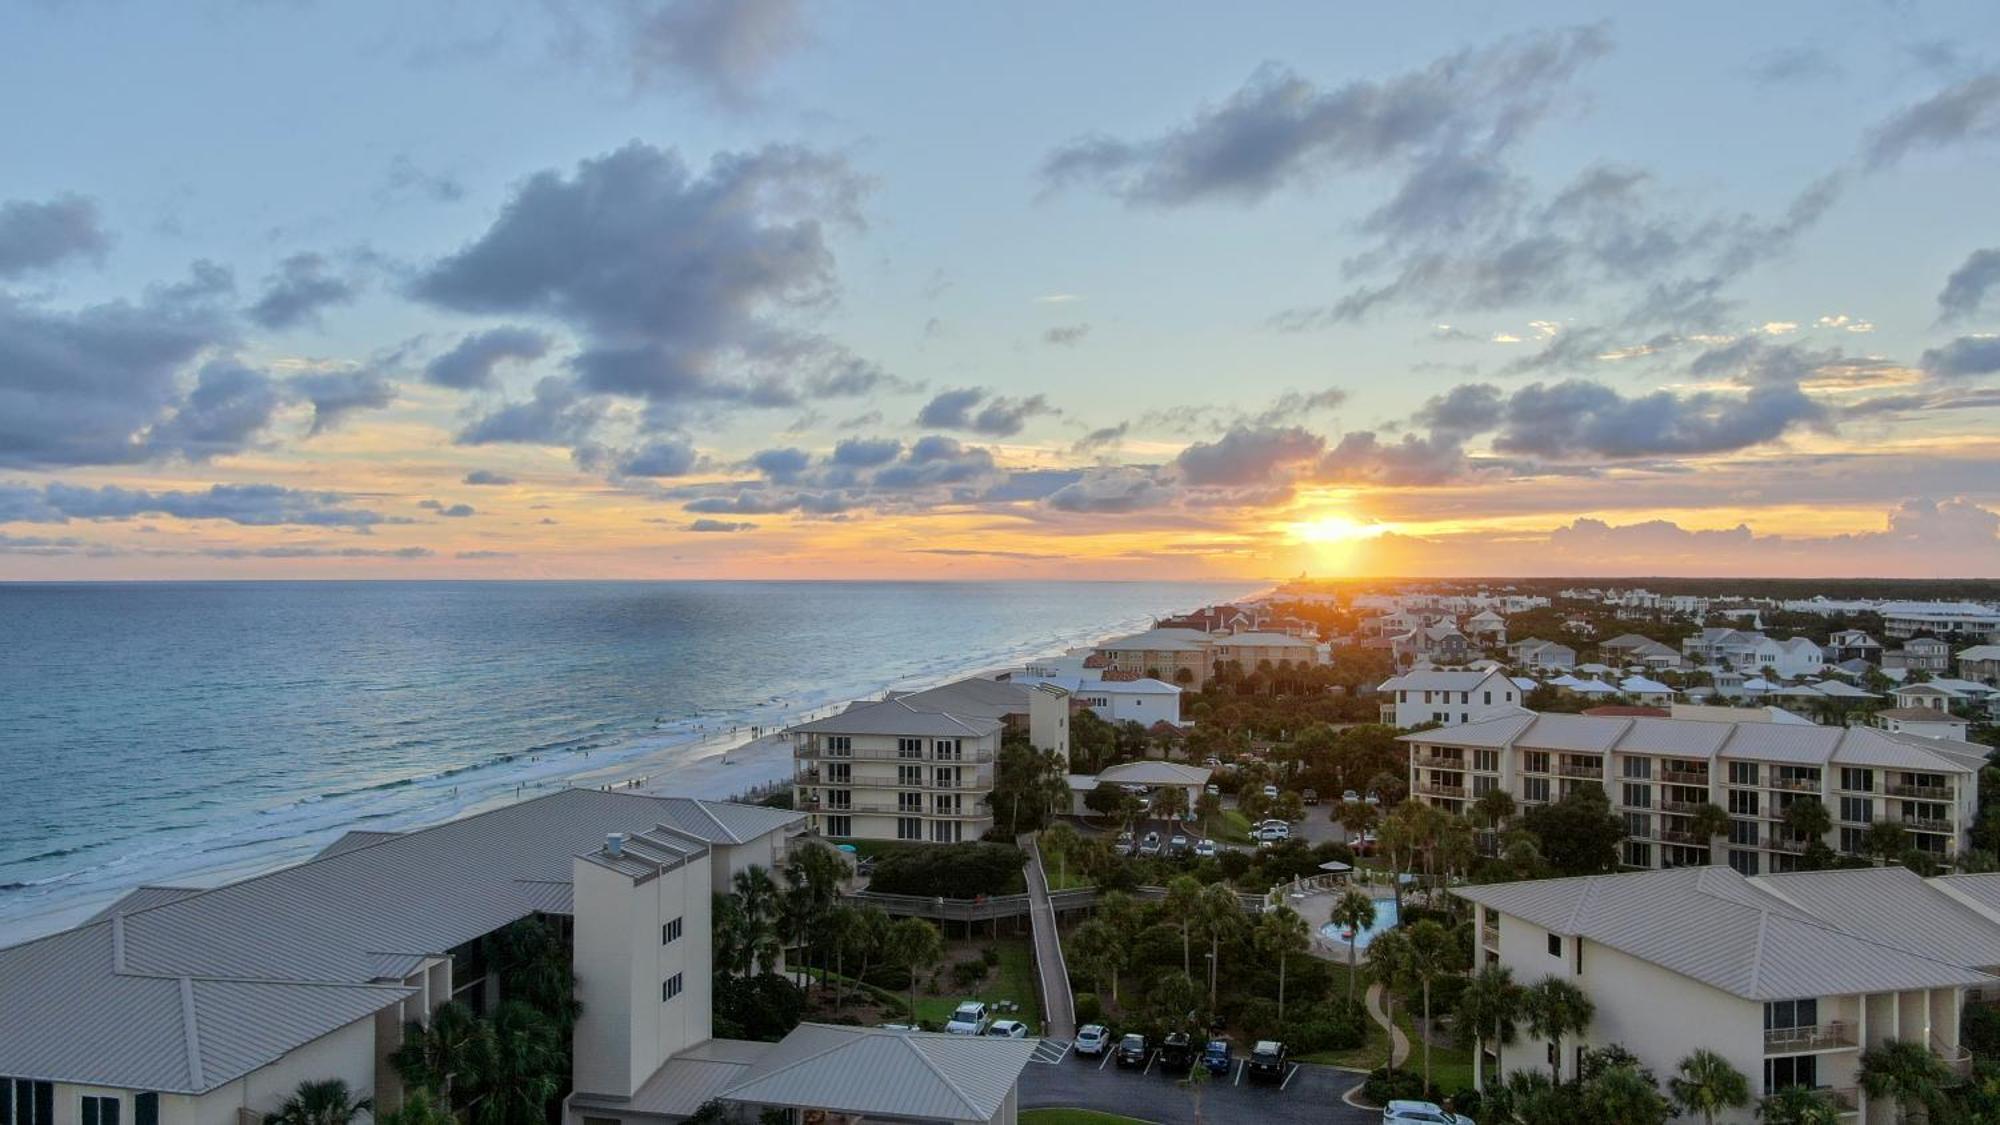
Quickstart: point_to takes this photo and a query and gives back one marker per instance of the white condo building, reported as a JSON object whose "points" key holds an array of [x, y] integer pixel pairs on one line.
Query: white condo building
{"points": [[1656, 772], [1788, 977], [919, 766]]}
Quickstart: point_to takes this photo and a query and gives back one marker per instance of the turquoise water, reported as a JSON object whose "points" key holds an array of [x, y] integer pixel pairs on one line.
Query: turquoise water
{"points": [[1385, 919], [153, 731]]}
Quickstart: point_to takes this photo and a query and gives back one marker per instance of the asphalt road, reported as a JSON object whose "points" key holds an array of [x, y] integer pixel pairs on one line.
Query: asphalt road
{"points": [[1309, 1096]]}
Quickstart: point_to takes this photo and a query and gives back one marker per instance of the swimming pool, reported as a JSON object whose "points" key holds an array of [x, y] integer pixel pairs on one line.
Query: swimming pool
{"points": [[1385, 918]]}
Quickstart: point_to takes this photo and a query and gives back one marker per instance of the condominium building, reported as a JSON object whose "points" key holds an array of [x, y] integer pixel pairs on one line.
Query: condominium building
{"points": [[1657, 772], [1788, 977], [920, 766]]}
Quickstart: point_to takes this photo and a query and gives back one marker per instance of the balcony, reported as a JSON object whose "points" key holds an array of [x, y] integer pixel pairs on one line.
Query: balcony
{"points": [[1921, 792], [1433, 789], [1796, 784], [1579, 769], [1684, 777], [1834, 1036]]}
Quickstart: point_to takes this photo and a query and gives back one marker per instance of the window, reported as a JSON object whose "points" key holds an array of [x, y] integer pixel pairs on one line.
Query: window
{"points": [[671, 932], [1857, 780], [669, 988], [909, 828], [99, 1110], [27, 1102], [840, 826], [1555, 945], [1742, 773], [146, 1108]]}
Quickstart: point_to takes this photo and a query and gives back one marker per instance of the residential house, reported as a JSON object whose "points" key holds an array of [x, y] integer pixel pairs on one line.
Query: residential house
{"points": [[1658, 771], [1447, 697], [1537, 653], [1788, 977], [1980, 663], [919, 765]]}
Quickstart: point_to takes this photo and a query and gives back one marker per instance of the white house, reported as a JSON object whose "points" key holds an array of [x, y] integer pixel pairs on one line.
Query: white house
{"points": [[1447, 697], [1788, 977]]}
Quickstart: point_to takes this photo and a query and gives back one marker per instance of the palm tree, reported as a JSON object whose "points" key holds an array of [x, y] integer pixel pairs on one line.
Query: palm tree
{"points": [[1354, 912], [1183, 903], [1389, 958], [325, 1102], [1432, 952], [1101, 952], [1907, 1073], [1281, 934], [1705, 1083], [914, 944], [1798, 1105], [1624, 1095], [1061, 839], [433, 1056], [1489, 1009], [1557, 1009], [1221, 915]]}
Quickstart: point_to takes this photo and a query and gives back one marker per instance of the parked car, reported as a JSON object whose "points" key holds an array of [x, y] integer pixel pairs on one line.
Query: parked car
{"points": [[1310, 796], [1429, 1113], [1176, 1054], [1132, 1050], [1092, 1039], [1267, 1061], [1205, 850], [1150, 845], [1008, 1029], [969, 1018], [1216, 1056]]}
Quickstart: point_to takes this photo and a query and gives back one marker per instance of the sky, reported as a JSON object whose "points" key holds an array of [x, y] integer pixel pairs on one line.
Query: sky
{"points": [[800, 289]]}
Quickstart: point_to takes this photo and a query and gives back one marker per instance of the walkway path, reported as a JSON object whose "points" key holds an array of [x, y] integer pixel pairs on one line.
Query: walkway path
{"points": [[1399, 1044], [1058, 1006]]}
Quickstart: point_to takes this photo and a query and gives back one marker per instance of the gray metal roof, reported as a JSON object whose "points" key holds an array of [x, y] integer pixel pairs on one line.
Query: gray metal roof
{"points": [[190, 992], [1714, 926], [1893, 905], [878, 1072]]}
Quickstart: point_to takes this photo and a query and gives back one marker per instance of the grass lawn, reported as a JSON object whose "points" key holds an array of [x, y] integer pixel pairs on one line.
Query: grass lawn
{"points": [[1013, 979], [1074, 1117]]}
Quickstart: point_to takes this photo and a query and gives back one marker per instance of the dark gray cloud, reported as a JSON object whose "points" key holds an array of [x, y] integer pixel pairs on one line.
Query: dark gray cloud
{"points": [[1964, 357], [1965, 111], [725, 48], [301, 288], [995, 416], [36, 236], [470, 362], [556, 415], [1066, 335], [453, 511], [254, 505], [1966, 289], [665, 457], [682, 287], [336, 394], [716, 525], [487, 477], [1281, 129], [1247, 456]]}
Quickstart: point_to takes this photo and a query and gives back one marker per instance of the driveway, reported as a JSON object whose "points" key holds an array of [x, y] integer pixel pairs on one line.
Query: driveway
{"points": [[1311, 1096]]}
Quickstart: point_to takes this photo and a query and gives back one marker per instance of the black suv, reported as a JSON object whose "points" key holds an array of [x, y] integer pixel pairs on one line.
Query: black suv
{"points": [[1267, 1061], [1132, 1050]]}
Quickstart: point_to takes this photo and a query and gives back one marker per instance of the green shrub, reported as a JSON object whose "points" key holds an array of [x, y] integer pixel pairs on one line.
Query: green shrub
{"points": [[1089, 1009]]}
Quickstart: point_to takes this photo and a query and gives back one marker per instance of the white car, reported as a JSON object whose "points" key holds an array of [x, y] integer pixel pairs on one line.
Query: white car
{"points": [[1092, 1039], [1008, 1029], [1205, 850], [1428, 1113], [969, 1018]]}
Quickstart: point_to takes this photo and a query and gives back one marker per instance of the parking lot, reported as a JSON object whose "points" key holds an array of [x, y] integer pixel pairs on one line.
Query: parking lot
{"points": [[1308, 1095]]}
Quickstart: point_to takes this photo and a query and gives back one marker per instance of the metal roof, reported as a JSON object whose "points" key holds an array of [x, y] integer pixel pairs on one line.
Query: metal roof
{"points": [[881, 1073], [1714, 926]]}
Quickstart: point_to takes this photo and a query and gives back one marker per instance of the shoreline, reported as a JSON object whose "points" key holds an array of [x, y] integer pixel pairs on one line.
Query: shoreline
{"points": [[731, 764]]}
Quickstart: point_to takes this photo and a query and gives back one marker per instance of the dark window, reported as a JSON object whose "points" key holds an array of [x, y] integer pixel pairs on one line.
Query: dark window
{"points": [[1555, 945], [146, 1109]]}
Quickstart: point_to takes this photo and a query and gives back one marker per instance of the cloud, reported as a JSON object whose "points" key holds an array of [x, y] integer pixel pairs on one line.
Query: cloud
{"points": [[1965, 111], [336, 394], [682, 287], [1116, 490], [1281, 130], [1966, 289], [487, 477], [725, 48], [470, 362], [1964, 357], [1247, 456], [720, 525], [1066, 335], [298, 291], [253, 505], [666, 457], [452, 511], [36, 236], [999, 417], [556, 415]]}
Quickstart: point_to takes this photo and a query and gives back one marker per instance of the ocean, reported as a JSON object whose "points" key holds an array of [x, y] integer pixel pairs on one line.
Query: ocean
{"points": [[172, 732]]}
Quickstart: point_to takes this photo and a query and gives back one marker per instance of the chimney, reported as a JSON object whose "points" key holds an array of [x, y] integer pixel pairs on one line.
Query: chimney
{"points": [[614, 844]]}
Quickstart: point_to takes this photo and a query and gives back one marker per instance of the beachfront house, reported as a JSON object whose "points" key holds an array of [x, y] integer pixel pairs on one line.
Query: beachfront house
{"points": [[919, 766], [1788, 977]]}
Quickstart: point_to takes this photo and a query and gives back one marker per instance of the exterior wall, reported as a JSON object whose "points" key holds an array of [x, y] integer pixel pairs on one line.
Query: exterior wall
{"points": [[875, 789], [348, 1054], [627, 1030]]}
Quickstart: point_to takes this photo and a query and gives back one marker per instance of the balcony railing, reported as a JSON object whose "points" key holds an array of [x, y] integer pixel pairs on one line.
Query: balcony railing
{"points": [[1578, 769], [1921, 792], [1684, 777], [1796, 784], [1831, 1036]]}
